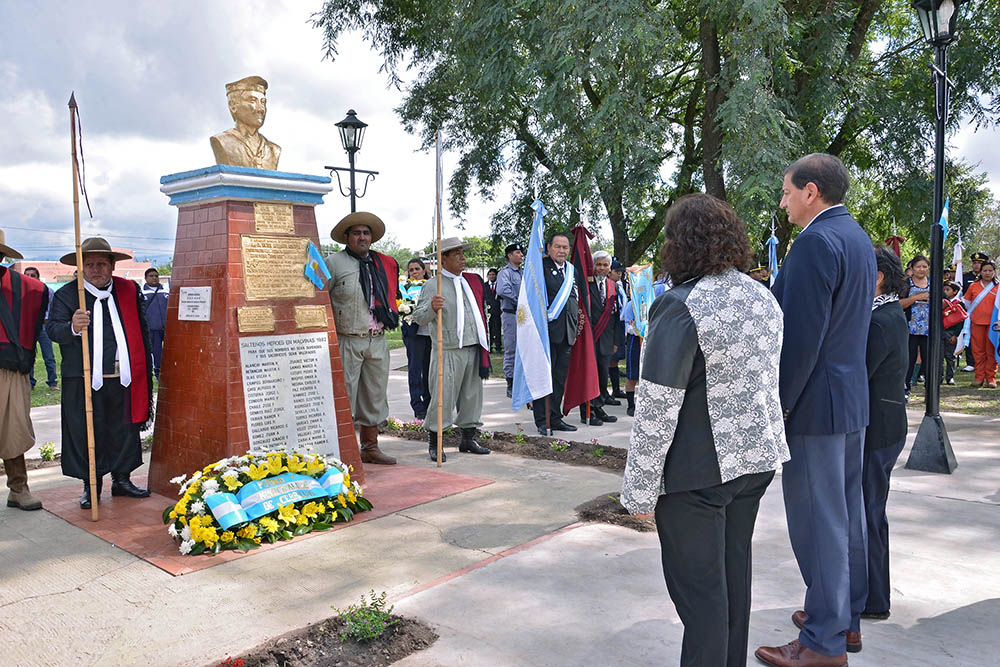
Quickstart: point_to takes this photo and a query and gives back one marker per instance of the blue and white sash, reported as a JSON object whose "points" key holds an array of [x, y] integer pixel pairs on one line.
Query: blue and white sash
{"points": [[265, 496], [966, 335], [557, 305]]}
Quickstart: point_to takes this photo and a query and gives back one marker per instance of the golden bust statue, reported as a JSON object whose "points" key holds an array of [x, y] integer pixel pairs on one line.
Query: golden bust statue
{"points": [[243, 145]]}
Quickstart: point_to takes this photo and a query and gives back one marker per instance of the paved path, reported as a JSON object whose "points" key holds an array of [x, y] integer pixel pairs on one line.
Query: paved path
{"points": [[503, 573]]}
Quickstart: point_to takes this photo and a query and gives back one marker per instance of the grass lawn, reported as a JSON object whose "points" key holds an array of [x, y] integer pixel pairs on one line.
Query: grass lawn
{"points": [[41, 394], [394, 338], [962, 397]]}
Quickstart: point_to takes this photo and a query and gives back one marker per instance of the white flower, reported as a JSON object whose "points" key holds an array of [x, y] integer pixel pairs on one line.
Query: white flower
{"points": [[245, 470], [179, 479], [231, 474], [186, 546], [209, 486], [196, 476], [198, 507], [172, 530], [186, 533]]}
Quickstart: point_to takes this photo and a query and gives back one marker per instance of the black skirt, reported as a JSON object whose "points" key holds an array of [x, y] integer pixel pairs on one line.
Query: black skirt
{"points": [[117, 447]]}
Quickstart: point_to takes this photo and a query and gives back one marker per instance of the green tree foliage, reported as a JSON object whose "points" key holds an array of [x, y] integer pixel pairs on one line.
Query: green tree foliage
{"points": [[626, 105]]}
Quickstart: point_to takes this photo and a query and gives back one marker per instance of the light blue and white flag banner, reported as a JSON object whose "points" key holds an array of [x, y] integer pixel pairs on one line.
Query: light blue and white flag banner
{"points": [[966, 335], [533, 361], [943, 222], [315, 268], [266, 495], [562, 296], [772, 258], [993, 334], [643, 293]]}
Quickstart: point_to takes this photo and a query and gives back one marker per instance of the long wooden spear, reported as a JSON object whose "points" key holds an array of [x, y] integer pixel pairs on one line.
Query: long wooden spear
{"points": [[440, 335], [87, 401]]}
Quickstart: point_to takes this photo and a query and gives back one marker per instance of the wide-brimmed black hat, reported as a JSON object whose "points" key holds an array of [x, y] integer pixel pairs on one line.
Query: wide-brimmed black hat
{"points": [[94, 246]]}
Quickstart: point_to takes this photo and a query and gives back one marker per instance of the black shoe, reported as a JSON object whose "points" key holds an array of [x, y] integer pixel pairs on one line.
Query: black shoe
{"points": [[85, 498], [604, 416], [618, 393], [543, 431], [510, 387], [432, 447], [611, 401], [420, 415], [875, 615], [560, 425], [468, 443], [594, 421], [630, 412], [121, 485]]}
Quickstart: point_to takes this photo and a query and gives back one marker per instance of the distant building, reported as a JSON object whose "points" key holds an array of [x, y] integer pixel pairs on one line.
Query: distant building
{"points": [[56, 273]]}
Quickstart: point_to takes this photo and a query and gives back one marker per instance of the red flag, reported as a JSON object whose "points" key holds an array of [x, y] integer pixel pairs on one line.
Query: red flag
{"points": [[894, 242], [581, 380]]}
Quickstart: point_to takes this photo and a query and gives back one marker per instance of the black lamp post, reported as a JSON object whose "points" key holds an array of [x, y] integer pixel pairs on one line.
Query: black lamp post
{"points": [[932, 450], [352, 132]]}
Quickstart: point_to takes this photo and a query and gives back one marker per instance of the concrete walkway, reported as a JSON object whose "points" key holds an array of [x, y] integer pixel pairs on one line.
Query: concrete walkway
{"points": [[503, 572]]}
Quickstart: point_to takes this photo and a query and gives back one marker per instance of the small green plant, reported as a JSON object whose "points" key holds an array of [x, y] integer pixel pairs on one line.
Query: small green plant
{"points": [[597, 452], [449, 431], [394, 425], [367, 620], [414, 425], [560, 446], [49, 451], [486, 435], [519, 438], [148, 440]]}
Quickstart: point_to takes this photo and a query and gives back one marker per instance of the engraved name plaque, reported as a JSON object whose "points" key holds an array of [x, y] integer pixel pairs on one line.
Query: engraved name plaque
{"points": [[273, 218], [273, 268], [310, 317], [250, 319], [195, 304], [288, 392]]}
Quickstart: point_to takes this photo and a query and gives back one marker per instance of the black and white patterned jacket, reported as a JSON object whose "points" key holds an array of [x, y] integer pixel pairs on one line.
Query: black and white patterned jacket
{"points": [[706, 408]]}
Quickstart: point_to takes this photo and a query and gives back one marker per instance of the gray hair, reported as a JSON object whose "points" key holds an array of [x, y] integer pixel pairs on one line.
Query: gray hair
{"points": [[602, 254]]}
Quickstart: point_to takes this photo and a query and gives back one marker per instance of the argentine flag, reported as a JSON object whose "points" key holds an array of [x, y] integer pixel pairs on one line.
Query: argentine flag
{"points": [[943, 222], [533, 363], [772, 259], [315, 268]]}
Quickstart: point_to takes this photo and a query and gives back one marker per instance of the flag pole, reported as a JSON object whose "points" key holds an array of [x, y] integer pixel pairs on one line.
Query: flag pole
{"points": [[440, 336], [87, 401]]}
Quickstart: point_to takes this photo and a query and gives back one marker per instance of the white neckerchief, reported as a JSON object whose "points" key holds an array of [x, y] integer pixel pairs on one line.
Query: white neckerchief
{"points": [[97, 345], [462, 286], [821, 213]]}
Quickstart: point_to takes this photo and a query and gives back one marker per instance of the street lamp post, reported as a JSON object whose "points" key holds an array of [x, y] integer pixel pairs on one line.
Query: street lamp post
{"points": [[352, 132], [932, 450]]}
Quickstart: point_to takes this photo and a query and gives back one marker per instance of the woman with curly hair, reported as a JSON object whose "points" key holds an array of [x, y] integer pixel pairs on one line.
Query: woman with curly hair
{"points": [[708, 432]]}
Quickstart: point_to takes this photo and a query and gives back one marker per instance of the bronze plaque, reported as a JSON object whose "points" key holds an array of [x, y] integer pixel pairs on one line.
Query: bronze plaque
{"points": [[310, 317], [252, 319], [273, 268], [275, 218]]}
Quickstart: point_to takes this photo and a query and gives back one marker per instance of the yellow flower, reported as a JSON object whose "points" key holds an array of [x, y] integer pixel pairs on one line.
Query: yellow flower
{"points": [[274, 464], [249, 530], [269, 524], [232, 482], [209, 536], [311, 509], [351, 497], [295, 464], [331, 504], [287, 513], [228, 536], [173, 514], [314, 467], [258, 471], [347, 478], [181, 507], [183, 520], [302, 519], [196, 522], [340, 499], [256, 540]]}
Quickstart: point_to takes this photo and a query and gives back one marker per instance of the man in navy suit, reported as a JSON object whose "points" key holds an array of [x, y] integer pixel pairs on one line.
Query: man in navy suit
{"points": [[562, 333], [825, 288]]}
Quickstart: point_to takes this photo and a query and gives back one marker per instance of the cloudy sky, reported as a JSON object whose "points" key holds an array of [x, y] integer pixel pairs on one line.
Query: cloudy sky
{"points": [[150, 81]]}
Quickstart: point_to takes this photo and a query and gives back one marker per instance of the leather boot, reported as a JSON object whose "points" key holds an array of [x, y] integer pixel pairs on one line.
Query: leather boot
{"points": [[121, 485], [604, 416], [17, 480], [510, 387], [370, 453], [468, 443], [85, 498], [432, 447]]}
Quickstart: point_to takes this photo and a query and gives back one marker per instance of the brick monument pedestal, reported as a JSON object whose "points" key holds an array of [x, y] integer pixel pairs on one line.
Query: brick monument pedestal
{"points": [[250, 357]]}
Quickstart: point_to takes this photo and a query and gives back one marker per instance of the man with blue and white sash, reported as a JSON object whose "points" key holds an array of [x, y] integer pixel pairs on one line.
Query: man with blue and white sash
{"points": [[563, 314]]}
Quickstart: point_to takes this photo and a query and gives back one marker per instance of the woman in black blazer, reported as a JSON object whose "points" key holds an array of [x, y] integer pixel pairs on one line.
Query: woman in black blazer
{"points": [[886, 433]]}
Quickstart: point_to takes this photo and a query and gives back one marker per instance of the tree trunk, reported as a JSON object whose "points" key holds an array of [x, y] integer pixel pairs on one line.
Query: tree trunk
{"points": [[711, 135]]}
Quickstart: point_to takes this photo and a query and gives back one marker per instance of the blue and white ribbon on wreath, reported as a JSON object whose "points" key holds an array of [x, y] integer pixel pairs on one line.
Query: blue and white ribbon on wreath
{"points": [[264, 496], [557, 305]]}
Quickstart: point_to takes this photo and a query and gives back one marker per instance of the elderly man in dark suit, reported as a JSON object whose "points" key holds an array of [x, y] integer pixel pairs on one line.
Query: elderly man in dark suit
{"points": [[825, 288], [562, 331]]}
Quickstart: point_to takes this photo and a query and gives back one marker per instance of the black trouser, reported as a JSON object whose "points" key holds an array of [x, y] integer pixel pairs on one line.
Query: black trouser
{"points": [[496, 339], [916, 343], [560, 367], [602, 377], [875, 471], [705, 547], [418, 360]]}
